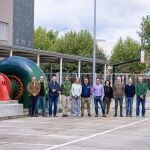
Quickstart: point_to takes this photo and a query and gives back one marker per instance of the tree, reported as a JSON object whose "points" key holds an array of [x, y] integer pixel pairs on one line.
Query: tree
{"points": [[126, 50], [145, 32], [44, 40]]}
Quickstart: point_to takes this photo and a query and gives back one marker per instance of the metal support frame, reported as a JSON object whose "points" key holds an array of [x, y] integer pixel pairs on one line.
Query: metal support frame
{"points": [[38, 60], [61, 70], [79, 68]]}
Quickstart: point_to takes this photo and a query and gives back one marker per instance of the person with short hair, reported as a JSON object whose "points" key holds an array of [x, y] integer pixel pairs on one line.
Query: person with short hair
{"points": [[108, 95], [76, 91], [54, 90], [98, 94], [141, 90], [33, 89], [41, 96], [86, 97], [119, 90], [65, 91], [129, 93]]}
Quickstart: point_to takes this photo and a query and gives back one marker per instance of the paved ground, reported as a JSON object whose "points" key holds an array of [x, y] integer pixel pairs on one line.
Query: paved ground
{"points": [[76, 133]]}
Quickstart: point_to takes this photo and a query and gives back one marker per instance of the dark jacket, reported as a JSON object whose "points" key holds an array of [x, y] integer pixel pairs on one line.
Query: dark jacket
{"points": [[108, 92], [86, 91], [51, 86], [129, 90]]}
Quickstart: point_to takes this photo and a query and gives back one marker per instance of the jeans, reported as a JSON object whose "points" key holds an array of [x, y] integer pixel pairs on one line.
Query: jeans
{"points": [[129, 105], [142, 101], [53, 99], [100, 100], [32, 103], [120, 100], [40, 99]]}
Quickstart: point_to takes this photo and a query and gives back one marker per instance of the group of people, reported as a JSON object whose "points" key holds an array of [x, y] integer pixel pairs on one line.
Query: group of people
{"points": [[82, 94]]}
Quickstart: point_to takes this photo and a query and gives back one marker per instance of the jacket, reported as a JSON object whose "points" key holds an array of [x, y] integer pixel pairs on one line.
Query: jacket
{"points": [[76, 90], [33, 88], [53, 85], [108, 92], [65, 88], [45, 88], [86, 90]]}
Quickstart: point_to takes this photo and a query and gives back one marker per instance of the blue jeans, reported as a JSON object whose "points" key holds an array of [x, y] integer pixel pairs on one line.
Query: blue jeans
{"points": [[142, 101], [100, 100], [129, 105], [40, 99], [53, 99]]}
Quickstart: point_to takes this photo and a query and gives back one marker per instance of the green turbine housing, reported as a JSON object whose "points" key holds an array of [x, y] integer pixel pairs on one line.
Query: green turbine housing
{"points": [[24, 69]]}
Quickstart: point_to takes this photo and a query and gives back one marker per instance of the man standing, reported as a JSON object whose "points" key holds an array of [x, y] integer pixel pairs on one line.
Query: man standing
{"points": [[33, 90], [65, 91], [129, 93], [118, 95], [54, 89], [41, 96], [85, 97], [98, 94], [141, 91]]}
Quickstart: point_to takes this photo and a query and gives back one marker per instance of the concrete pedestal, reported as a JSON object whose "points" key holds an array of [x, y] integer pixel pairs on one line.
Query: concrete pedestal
{"points": [[10, 108]]}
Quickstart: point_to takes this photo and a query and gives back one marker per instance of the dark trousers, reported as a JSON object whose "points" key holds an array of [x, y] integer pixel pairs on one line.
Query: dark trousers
{"points": [[107, 104], [53, 99], [32, 103], [118, 99]]}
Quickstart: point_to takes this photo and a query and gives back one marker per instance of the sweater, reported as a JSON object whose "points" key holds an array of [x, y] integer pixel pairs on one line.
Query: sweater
{"points": [[129, 90], [141, 89], [76, 90], [119, 90]]}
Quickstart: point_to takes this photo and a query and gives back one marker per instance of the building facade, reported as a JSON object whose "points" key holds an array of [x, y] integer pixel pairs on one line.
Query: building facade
{"points": [[17, 22]]}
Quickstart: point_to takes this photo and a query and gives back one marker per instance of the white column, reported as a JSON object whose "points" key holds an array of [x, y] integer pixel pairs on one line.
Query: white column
{"points": [[38, 60], [79, 68], [105, 72], [61, 68], [11, 53]]}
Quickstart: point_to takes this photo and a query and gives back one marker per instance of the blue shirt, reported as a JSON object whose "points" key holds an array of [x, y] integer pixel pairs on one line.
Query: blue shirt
{"points": [[129, 90]]}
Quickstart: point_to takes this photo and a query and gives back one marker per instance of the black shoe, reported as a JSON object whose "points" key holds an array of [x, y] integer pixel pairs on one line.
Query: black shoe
{"points": [[115, 115], [64, 115], [89, 115], [127, 115], [130, 115], [143, 115], [50, 115], [55, 116], [96, 115], [43, 114], [82, 115], [121, 115], [104, 115]]}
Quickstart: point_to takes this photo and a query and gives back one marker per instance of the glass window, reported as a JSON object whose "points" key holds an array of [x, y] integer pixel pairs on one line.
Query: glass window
{"points": [[3, 31]]}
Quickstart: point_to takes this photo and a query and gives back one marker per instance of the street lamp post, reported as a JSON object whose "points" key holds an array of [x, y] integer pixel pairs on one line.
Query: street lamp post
{"points": [[94, 44]]}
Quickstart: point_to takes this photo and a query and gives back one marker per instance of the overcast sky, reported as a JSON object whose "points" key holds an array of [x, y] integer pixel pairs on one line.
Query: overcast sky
{"points": [[115, 18]]}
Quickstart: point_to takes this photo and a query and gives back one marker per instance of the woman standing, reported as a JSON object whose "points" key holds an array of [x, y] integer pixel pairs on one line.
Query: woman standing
{"points": [[76, 90], [108, 95]]}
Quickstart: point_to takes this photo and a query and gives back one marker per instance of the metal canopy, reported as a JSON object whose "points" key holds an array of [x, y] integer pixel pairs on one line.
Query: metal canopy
{"points": [[45, 56]]}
